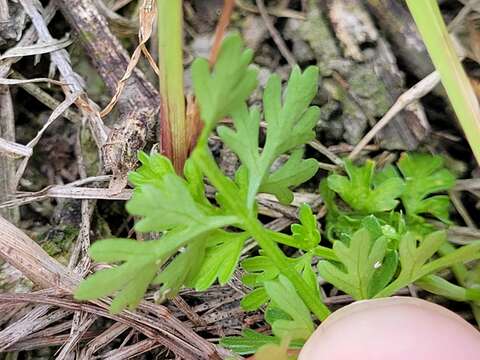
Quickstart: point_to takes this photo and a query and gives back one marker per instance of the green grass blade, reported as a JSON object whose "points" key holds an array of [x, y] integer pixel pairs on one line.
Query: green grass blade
{"points": [[442, 52], [174, 128]]}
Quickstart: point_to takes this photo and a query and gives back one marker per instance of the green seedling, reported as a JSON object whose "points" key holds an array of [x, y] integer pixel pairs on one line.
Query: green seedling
{"points": [[378, 237]]}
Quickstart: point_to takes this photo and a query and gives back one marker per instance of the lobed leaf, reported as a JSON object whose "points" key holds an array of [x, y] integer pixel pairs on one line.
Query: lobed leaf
{"points": [[360, 261], [284, 296], [306, 233], [220, 261], [290, 124], [424, 176], [360, 192], [223, 89]]}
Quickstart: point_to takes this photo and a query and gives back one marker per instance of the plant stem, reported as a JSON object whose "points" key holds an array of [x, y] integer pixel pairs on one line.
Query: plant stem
{"points": [[461, 274], [442, 52], [174, 133], [253, 226], [458, 256]]}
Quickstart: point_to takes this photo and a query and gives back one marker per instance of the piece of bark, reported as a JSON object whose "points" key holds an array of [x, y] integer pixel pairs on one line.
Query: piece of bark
{"points": [[139, 103], [361, 79], [401, 31]]}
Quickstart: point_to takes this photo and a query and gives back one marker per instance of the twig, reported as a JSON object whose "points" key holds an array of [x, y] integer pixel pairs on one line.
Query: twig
{"points": [[322, 149], [277, 38], [457, 202], [278, 12], [467, 185], [416, 92], [222, 26]]}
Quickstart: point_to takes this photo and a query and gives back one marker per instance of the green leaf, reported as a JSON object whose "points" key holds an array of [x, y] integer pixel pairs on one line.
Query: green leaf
{"points": [[261, 268], [254, 300], [221, 260], [425, 175], [251, 341], [132, 294], [132, 278], [290, 124], [113, 250], [182, 269], [462, 254], [306, 233], [360, 260], [284, 296], [414, 255], [142, 261], [294, 172], [164, 200], [165, 205], [221, 91], [154, 167], [248, 343], [196, 186], [360, 192], [384, 274]]}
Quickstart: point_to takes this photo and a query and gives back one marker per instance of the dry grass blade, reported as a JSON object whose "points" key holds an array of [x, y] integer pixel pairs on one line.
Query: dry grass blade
{"points": [[37, 49], [4, 81], [28, 39], [68, 192], [131, 351], [147, 19], [35, 343], [13, 149], [61, 59], [55, 114], [44, 97], [27, 256], [35, 320], [76, 334], [103, 340]]}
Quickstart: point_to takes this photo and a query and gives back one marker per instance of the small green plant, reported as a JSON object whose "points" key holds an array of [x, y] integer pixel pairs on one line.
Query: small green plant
{"points": [[378, 239]]}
